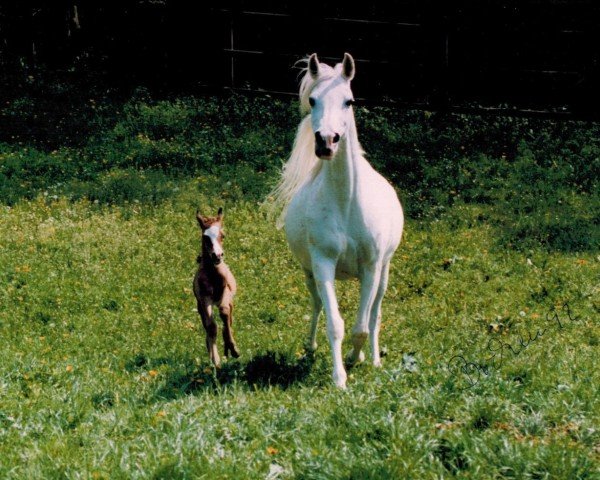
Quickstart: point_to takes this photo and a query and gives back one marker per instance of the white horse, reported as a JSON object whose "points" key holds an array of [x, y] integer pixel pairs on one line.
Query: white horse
{"points": [[342, 218]]}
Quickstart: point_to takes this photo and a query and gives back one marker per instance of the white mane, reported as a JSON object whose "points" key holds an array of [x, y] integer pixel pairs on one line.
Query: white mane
{"points": [[303, 165]]}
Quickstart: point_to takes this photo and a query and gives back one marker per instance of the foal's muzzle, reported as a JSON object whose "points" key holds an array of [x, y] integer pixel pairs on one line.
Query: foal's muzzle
{"points": [[326, 145], [216, 259]]}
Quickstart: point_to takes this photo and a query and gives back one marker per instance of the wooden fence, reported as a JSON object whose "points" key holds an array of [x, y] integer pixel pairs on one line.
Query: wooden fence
{"points": [[520, 55]]}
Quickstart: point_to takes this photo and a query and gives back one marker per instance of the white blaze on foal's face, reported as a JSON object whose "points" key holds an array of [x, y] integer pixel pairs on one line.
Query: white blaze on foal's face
{"points": [[214, 234]]}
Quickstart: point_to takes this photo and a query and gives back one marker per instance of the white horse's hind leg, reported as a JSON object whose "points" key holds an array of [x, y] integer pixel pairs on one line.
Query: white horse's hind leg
{"points": [[317, 306], [324, 275], [369, 285], [375, 317]]}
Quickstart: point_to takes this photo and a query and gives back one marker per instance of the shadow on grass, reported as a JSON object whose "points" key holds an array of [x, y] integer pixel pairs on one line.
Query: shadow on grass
{"points": [[261, 371]]}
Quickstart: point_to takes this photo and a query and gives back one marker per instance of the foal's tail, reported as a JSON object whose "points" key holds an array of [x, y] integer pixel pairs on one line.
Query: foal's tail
{"points": [[301, 167]]}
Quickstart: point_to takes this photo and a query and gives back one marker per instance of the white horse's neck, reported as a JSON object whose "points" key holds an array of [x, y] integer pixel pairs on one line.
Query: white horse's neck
{"points": [[341, 173]]}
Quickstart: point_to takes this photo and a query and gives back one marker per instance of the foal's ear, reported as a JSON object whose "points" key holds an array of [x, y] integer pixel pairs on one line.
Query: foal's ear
{"points": [[220, 214], [200, 219], [313, 65], [348, 68]]}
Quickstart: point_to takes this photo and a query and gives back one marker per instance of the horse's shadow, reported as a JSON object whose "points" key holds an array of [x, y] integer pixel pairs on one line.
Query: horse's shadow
{"points": [[260, 372]]}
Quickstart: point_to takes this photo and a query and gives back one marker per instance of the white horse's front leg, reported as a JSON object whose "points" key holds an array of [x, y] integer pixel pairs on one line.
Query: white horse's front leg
{"points": [[324, 274], [317, 306], [369, 285]]}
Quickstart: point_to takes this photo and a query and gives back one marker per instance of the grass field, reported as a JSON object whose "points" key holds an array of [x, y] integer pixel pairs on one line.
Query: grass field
{"points": [[490, 325]]}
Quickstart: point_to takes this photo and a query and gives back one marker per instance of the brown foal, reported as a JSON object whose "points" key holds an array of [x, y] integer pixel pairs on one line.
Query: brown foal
{"points": [[214, 285]]}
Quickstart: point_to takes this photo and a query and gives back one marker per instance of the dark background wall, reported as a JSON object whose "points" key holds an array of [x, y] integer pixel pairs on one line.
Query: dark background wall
{"points": [[529, 55]]}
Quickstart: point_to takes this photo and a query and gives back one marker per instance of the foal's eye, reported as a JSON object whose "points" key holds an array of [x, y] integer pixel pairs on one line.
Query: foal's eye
{"points": [[311, 102], [349, 103]]}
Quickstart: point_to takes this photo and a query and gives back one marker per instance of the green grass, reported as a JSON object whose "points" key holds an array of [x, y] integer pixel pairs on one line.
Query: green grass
{"points": [[105, 373]]}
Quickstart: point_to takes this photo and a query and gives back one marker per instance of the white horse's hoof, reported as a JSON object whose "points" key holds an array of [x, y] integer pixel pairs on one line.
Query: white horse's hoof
{"points": [[377, 363], [339, 379], [352, 360], [341, 385]]}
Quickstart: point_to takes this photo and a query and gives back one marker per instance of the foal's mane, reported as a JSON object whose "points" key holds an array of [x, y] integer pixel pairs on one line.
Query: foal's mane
{"points": [[303, 165]]}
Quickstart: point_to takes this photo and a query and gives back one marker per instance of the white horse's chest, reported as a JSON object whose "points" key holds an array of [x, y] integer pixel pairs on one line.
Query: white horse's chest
{"points": [[350, 233]]}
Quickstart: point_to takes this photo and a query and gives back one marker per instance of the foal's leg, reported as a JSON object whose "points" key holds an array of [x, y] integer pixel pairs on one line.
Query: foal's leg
{"points": [[324, 274], [317, 306], [226, 314], [205, 311], [369, 284], [375, 318]]}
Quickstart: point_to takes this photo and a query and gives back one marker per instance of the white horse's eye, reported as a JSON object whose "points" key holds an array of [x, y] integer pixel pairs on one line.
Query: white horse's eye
{"points": [[311, 102], [349, 103]]}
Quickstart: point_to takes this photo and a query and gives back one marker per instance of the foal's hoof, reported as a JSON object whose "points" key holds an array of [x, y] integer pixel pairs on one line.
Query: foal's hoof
{"points": [[233, 350]]}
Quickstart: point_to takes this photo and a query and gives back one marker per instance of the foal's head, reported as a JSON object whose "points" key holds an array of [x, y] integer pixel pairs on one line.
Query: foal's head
{"points": [[212, 236], [330, 99]]}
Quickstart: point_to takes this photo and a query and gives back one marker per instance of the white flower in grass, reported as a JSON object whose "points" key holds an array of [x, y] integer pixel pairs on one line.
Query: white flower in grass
{"points": [[275, 471], [409, 362], [219, 453]]}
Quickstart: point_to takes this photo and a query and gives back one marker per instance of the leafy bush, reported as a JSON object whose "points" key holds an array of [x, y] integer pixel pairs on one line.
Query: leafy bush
{"points": [[126, 186], [538, 178]]}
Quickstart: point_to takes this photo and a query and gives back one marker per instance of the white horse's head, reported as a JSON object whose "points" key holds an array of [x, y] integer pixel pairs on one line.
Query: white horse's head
{"points": [[330, 99]]}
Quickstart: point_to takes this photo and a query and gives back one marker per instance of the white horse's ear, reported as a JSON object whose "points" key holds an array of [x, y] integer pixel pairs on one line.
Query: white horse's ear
{"points": [[220, 214], [313, 65], [348, 68]]}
